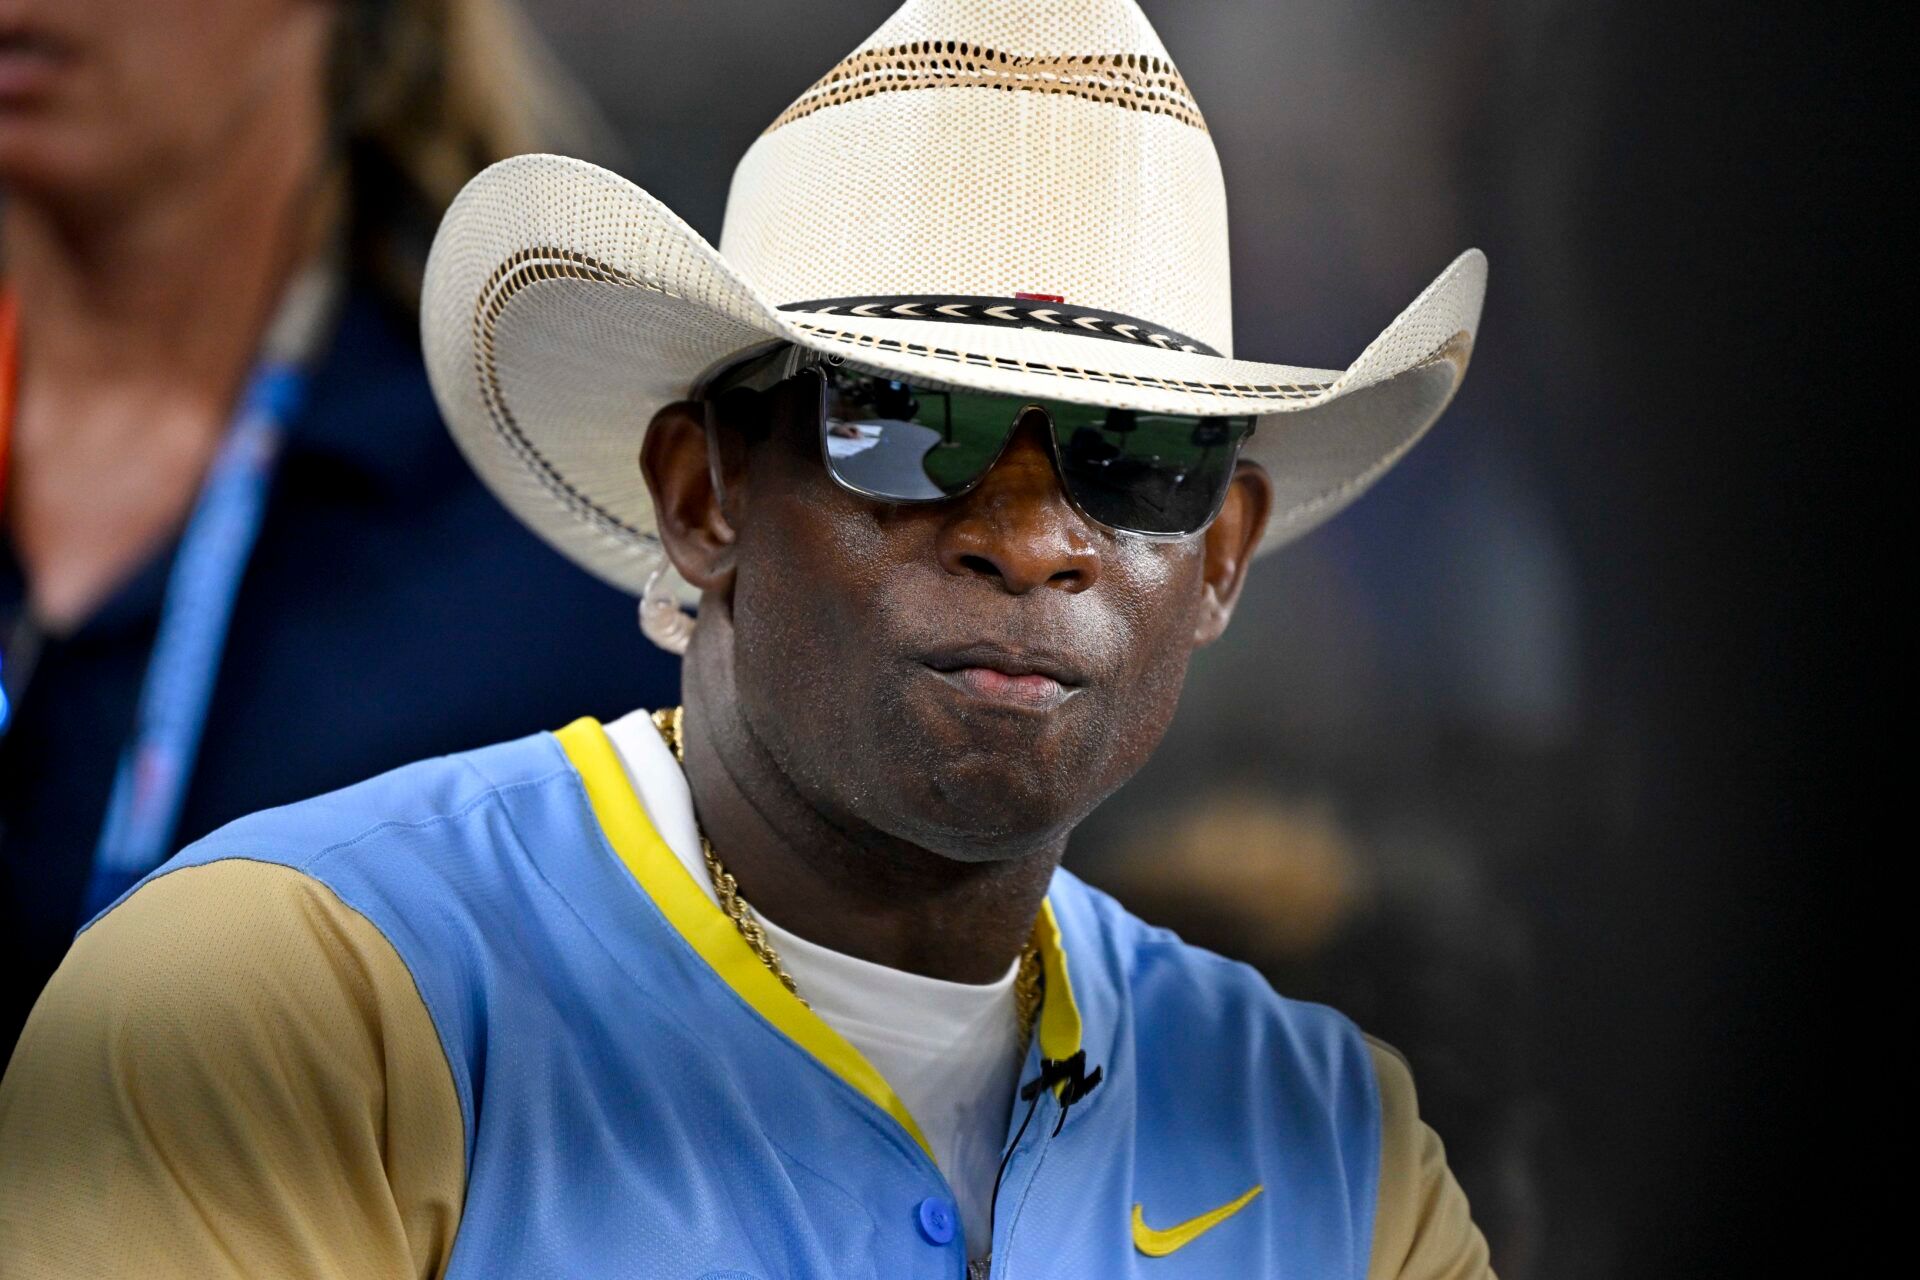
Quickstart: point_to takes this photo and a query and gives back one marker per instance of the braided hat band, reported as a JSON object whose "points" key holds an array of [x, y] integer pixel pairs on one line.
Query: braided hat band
{"points": [[1027, 313]]}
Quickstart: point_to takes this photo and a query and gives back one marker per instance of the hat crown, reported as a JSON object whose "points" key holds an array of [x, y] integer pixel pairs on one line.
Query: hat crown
{"points": [[988, 149], [1024, 26]]}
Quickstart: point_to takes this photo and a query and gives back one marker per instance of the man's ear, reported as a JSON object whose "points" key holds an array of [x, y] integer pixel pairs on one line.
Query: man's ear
{"points": [[688, 505], [1231, 541]]}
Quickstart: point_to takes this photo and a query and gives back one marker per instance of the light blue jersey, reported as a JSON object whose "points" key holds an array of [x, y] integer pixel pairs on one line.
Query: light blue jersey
{"points": [[638, 1096]]}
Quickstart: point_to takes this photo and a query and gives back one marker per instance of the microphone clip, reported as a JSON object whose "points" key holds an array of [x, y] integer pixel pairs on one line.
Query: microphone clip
{"points": [[1072, 1077]]}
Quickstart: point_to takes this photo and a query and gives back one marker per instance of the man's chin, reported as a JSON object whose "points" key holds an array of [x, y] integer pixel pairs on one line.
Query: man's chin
{"points": [[982, 810]]}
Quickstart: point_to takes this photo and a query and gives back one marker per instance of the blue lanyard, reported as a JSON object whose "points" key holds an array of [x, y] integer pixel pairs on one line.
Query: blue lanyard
{"points": [[157, 761]]}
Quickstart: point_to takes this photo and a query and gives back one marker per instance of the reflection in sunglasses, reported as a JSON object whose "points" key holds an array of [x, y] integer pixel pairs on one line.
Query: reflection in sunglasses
{"points": [[1150, 473], [885, 457]]}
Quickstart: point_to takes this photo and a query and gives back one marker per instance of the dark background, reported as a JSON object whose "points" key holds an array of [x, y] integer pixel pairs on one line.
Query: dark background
{"points": [[1550, 733]]}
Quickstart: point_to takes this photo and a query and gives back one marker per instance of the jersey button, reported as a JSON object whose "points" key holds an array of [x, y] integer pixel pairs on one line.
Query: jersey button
{"points": [[936, 1219]]}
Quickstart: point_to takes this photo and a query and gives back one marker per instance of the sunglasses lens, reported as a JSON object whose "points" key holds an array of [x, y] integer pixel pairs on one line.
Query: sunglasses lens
{"points": [[1147, 472], [910, 444], [1137, 472]]}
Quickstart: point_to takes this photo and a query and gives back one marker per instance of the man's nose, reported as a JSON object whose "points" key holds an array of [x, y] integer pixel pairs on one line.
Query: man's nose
{"points": [[1016, 527]]}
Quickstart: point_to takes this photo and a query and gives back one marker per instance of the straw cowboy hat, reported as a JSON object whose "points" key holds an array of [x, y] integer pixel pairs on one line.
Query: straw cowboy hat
{"points": [[1012, 196]]}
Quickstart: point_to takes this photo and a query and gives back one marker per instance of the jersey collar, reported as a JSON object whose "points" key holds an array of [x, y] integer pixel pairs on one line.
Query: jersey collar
{"points": [[712, 935]]}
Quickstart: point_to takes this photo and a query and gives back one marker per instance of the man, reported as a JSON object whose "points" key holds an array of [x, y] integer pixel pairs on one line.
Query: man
{"points": [[789, 982]]}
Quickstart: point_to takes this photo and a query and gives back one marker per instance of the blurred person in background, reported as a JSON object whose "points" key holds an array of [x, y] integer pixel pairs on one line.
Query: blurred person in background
{"points": [[242, 563]]}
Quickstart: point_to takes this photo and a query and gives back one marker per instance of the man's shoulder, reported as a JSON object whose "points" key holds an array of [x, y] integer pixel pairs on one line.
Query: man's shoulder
{"points": [[428, 853], [1214, 1006], [1162, 967], [427, 866], [409, 812]]}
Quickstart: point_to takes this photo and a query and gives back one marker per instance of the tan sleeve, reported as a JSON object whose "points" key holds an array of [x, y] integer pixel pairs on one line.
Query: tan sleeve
{"points": [[232, 1074], [1421, 1228]]}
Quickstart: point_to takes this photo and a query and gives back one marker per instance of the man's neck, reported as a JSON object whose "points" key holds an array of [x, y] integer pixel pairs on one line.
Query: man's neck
{"points": [[854, 889]]}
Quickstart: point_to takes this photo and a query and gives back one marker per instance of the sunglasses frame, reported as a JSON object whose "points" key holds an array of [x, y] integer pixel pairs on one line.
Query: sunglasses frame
{"points": [[800, 360]]}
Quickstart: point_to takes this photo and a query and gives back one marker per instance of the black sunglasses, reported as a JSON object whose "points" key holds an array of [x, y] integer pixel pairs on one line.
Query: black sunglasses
{"points": [[1154, 475]]}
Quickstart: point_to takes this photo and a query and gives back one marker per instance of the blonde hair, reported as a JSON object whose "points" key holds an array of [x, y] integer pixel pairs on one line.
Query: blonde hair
{"points": [[424, 94]]}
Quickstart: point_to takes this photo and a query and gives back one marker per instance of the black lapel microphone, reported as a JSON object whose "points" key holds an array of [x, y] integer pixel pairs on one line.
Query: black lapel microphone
{"points": [[1070, 1073], [1078, 1082]]}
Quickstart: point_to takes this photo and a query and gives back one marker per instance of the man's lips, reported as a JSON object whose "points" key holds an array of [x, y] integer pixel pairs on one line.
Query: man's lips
{"points": [[30, 60], [1010, 677]]}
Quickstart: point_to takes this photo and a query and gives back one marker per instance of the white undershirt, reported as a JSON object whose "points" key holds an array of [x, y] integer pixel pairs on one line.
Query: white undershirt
{"points": [[947, 1048]]}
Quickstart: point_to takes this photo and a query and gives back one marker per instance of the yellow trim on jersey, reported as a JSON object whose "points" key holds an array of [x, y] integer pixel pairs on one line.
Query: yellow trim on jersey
{"points": [[707, 928], [1060, 1014], [1158, 1242]]}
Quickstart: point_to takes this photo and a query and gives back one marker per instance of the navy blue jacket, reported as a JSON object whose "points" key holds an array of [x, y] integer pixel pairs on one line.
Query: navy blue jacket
{"points": [[392, 610]]}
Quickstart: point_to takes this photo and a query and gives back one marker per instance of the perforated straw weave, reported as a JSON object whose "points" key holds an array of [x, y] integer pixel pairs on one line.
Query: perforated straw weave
{"points": [[968, 152]]}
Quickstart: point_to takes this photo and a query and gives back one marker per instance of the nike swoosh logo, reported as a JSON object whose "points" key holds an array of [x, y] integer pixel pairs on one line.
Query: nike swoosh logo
{"points": [[1159, 1242]]}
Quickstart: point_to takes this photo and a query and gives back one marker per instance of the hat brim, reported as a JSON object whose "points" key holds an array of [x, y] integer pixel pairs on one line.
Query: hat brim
{"points": [[563, 306]]}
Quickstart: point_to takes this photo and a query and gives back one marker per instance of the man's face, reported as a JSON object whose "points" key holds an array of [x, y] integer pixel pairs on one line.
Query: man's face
{"points": [[973, 675]]}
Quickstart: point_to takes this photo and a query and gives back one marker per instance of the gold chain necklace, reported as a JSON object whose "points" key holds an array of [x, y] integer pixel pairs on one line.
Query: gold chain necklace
{"points": [[1028, 986]]}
